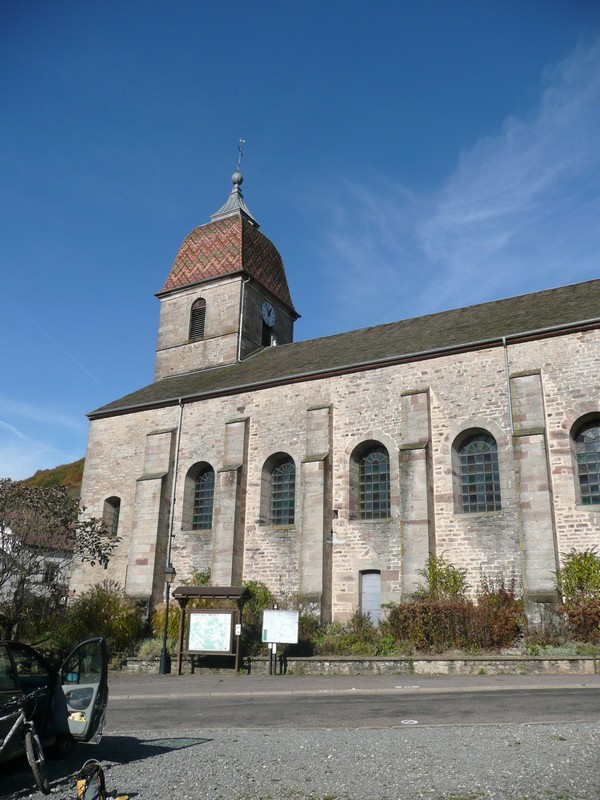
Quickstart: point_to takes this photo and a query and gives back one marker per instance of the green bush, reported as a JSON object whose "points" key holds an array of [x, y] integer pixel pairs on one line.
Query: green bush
{"points": [[157, 620], [579, 577], [262, 597], [104, 610], [443, 581], [359, 636], [578, 582], [152, 648]]}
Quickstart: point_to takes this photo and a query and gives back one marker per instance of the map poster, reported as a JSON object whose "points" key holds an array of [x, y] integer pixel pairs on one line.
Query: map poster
{"points": [[280, 626], [210, 631]]}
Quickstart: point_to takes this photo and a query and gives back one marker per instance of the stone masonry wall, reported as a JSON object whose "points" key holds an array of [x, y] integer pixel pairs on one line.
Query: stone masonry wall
{"points": [[174, 352], [418, 411]]}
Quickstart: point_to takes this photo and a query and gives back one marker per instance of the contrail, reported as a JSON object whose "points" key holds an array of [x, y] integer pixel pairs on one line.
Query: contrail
{"points": [[60, 347]]}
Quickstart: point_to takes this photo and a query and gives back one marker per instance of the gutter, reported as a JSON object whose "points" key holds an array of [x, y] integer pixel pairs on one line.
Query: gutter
{"points": [[173, 490]]}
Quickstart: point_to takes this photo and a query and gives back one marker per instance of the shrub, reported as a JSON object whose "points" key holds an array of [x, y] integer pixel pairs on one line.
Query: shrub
{"points": [[584, 619], [157, 621], [262, 597], [439, 625], [579, 577], [359, 636], [152, 648], [105, 610], [578, 581], [443, 581]]}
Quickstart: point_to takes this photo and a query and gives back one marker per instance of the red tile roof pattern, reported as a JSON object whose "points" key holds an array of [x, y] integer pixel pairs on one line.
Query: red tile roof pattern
{"points": [[226, 247]]}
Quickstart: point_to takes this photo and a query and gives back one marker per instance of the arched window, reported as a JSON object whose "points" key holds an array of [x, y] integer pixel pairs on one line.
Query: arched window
{"points": [[197, 317], [373, 486], [587, 454], [283, 492], [479, 474], [110, 515], [204, 495]]}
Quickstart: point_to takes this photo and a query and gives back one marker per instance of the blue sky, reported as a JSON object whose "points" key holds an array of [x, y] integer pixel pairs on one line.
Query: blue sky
{"points": [[404, 157]]}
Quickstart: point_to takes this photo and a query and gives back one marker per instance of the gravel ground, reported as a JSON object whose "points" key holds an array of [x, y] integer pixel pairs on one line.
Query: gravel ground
{"points": [[508, 762]]}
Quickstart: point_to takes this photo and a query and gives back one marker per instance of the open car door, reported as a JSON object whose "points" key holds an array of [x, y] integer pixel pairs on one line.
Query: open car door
{"points": [[84, 678]]}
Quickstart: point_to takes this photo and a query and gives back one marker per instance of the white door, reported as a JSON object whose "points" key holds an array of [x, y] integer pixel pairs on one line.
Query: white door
{"points": [[370, 595]]}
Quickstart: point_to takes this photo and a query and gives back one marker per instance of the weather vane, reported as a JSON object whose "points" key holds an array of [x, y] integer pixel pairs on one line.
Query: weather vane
{"points": [[240, 153]]}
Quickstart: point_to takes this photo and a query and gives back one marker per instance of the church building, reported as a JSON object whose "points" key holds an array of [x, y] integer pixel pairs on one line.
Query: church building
{"points": [[330, 469]]}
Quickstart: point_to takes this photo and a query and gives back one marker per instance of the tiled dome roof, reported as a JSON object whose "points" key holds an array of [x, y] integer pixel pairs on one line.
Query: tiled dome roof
{"points": [[226, 247], [230, 244]]}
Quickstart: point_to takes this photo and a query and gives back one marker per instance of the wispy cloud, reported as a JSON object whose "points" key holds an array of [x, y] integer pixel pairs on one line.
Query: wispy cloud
{"points": [[33, 437], [5, 426], [18, 462], [38, 413], [40, 442], [519, 213]]}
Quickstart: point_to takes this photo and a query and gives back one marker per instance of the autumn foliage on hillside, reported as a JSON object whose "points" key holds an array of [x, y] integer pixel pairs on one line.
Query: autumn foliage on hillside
{"points": [[67, 475]]}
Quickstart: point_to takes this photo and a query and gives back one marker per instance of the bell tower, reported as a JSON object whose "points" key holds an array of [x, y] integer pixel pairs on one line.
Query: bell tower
{"points": [[226, 295]]}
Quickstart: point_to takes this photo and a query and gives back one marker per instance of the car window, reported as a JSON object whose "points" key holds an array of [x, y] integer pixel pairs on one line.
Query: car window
{"points": [[8, 679], [84, 665], [32, 671]]}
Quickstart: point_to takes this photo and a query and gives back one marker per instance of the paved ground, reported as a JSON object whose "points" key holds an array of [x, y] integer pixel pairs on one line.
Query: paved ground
{"points": [[481, 762]]}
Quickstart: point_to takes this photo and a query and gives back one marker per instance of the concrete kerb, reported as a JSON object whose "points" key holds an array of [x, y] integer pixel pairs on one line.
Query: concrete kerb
{"points": [[124, 687]]}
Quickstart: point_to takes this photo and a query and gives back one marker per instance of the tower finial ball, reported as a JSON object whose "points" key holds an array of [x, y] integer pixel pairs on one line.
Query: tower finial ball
{"points": [[237, 178]]}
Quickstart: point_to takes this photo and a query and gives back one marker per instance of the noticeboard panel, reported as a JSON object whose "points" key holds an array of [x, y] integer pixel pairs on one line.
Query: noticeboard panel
{"points": [[280, 626], [210, 631]]}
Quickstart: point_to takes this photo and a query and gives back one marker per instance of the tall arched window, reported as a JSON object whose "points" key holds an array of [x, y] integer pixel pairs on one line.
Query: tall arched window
{"points": [[373, 482], [204, 495], [479, 474], [197, 317], [110, 515], [283, 492], [587, 454]]}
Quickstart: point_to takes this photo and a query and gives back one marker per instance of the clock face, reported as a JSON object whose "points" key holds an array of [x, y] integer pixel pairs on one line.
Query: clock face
{"points": [[268, 314]]}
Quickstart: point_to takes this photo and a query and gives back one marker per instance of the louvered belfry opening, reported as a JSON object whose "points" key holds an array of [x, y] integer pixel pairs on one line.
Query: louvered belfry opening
{"points": [[197, 318]]}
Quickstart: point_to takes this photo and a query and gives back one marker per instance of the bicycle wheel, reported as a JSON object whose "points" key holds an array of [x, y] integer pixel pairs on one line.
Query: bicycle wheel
{"points": [[35, 756]]}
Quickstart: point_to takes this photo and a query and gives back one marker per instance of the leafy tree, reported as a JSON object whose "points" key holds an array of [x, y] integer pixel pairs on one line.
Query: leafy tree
{"points": [[41, 532]]}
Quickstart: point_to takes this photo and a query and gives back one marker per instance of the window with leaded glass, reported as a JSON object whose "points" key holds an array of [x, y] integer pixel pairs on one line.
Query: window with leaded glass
{"points": [[479, 474], [110, 515], [197, 317], [283, 492], [374, 484], [204, 495], [587, 452]]}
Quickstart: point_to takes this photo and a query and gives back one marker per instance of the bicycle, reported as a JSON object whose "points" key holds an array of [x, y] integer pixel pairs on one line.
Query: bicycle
{"points": [[25, 726]]}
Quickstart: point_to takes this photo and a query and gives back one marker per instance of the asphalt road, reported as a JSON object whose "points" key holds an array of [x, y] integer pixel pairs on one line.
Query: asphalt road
{"points": [[379, 710], [211, 737]]}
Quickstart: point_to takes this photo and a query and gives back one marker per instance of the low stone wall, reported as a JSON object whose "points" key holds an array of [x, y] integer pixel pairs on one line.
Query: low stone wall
{"points": [[357, 665], [476, 665]]}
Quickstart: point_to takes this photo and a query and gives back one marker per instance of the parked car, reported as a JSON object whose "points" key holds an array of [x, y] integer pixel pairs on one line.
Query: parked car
{"points": [[73, 705]]}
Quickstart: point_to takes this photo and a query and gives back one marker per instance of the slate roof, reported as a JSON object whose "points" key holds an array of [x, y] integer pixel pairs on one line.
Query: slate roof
{"points": [[526, 316], [229, 246]]}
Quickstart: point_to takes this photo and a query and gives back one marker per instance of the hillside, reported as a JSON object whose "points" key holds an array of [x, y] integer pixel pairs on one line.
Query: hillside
{"points": [[69, 475]]}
